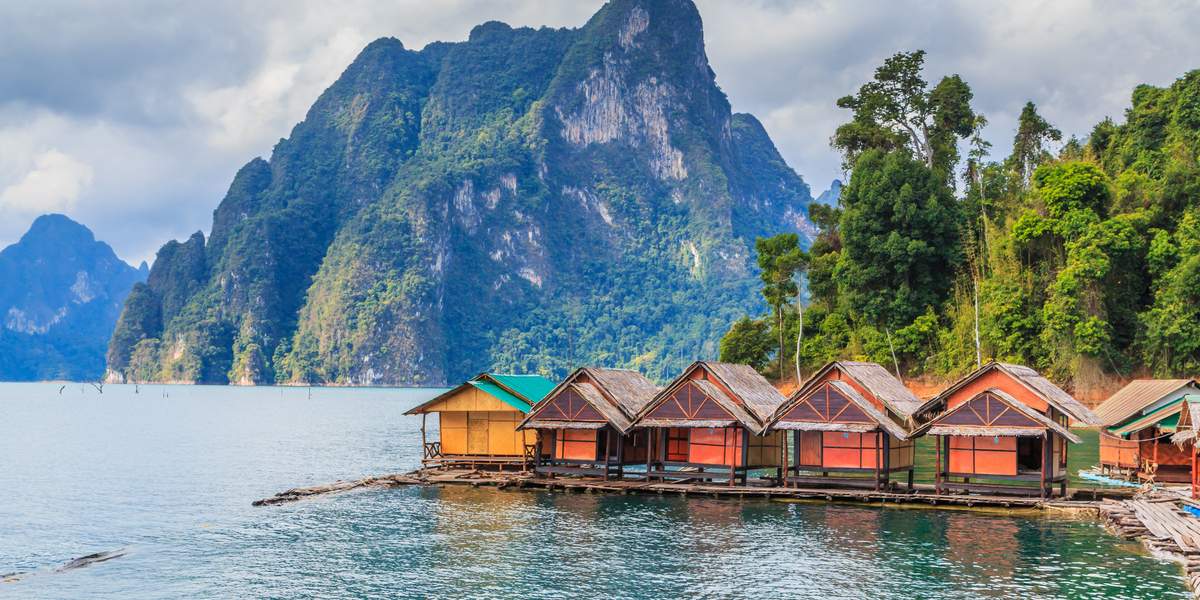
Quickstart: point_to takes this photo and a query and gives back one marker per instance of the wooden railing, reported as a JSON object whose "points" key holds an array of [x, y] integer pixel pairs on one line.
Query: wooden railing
{"points": [[531, 455], [433, 450]]}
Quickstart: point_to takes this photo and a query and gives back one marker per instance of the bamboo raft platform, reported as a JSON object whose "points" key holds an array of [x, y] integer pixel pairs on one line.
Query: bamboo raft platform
{"points": [[1079, 500], [1162, 526]]}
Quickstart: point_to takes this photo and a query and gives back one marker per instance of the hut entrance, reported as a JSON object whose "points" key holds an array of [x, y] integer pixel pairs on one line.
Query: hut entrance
{"points": [[477, 433], [1029, 454]]}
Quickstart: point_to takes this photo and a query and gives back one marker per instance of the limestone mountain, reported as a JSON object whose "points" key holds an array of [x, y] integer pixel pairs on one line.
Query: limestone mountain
{"points": [[59, 302], [831, 195], [527, 200]]}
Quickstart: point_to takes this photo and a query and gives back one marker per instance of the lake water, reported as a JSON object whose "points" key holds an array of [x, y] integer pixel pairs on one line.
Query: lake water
{"points": [[169, 473]]}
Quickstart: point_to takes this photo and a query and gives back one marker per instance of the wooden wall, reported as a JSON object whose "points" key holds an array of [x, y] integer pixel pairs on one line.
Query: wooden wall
{"points": [[974, 455], [577, 444], [474, 423], [847, 450]]}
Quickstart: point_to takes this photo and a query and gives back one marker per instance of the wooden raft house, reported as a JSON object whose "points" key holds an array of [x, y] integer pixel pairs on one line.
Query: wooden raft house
{"points": [[709, 423], [1005, 424], [585, 424], [1186, 433], [477, 421], [851, 419], [1136, 422]]}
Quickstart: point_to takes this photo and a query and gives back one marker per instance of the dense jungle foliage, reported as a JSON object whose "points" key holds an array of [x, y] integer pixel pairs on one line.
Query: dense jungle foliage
{"points": [[1080, 258]]}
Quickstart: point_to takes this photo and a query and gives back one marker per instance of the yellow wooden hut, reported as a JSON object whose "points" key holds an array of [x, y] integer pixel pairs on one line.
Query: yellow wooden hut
{"points": [[477, 421]]}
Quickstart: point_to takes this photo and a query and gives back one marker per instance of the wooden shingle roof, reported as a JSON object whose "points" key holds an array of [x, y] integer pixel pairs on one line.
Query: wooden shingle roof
{"points": [[617, 394], [1136, 397], [1033, 381]]}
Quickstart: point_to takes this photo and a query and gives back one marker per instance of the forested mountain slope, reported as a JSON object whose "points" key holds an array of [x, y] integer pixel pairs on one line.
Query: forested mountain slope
{"points": [[527, 200]]}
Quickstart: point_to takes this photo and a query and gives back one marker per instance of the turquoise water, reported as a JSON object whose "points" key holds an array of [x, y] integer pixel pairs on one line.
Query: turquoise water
{"points": [[169, 474]]}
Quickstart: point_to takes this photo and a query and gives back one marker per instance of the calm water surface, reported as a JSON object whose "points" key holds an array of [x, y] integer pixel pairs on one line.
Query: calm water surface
{"points": [[169, 473]]}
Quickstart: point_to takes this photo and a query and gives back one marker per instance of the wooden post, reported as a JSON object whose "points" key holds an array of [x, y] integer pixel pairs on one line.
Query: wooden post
{"points": [[746, 456], [937, 473], [424, 452], [1047, 440], [620, 455], [1066, 470], [796, 454], [883, 460], [732, 463], [649, 450], [1193, 468], [783, 459], [608, 437]]}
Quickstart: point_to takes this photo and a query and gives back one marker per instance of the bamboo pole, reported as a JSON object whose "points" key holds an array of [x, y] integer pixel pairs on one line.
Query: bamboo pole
{"points": [[424, 450]]}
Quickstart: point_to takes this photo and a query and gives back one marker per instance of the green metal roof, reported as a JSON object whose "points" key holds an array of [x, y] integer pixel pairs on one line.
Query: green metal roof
{"points": [[518, 391], [1165, 417]]}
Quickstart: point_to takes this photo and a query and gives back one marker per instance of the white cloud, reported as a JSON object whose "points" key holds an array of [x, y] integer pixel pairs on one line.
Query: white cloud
{"points": [[163, 102], [52, 185]]}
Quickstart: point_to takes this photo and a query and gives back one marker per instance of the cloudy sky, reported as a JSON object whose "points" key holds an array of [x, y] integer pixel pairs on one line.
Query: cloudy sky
{"points": [[132, 115]]}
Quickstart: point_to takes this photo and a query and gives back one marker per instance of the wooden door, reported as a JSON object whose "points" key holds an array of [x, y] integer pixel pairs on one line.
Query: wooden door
{"points": [[477, 432]]}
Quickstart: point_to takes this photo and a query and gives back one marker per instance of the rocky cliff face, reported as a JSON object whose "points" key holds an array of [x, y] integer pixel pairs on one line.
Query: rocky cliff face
{"points": [[527, 200], [59, 301]]}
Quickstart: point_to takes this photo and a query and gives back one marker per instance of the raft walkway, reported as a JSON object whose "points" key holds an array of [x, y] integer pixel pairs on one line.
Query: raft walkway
{"points": [[1162, 526], [1082, 499]]}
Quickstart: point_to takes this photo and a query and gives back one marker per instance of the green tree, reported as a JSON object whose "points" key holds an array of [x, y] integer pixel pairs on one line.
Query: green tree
{"points": [[747, 342], [1031, 141], [900, 233], [898, 110], [780, 259]]}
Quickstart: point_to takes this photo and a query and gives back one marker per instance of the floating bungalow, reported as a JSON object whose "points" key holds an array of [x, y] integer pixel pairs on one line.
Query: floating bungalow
{"points": [[477, 421], [584, 425], [710, 422], [1185, 435], [1005, 424], [851, 419], [1136, 422]]}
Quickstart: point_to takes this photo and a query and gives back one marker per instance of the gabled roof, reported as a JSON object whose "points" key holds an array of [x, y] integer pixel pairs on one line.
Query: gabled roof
{"points": [[617, 394], [530, 388], [518, 391], [752, 404], [751, 388], [1165, 417], [1189, 421], [854, 397], [1033, 381], [935, 427], [1136, 397], [874, 378]]}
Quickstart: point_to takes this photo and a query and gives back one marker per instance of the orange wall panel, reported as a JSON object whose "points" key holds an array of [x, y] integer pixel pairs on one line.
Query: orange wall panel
{"points": [[1002, 442], [838, 439], [995, 463], [996, 379], [842, 458], [810, 448], [962, 461]]}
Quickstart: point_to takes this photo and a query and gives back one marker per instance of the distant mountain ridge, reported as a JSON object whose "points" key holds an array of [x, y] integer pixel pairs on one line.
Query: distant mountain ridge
{"points": [[527, 200], [832, 195], [61, 296]]}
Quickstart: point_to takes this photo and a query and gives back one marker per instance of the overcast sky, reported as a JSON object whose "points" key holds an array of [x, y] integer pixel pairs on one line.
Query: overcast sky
{"points": [[132, 116]]}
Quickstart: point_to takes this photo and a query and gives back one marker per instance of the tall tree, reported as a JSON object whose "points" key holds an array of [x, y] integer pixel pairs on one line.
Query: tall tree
{"points": [[898, 110], [780, 258], [747, 342], [1031, 144], [900, 233]]}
